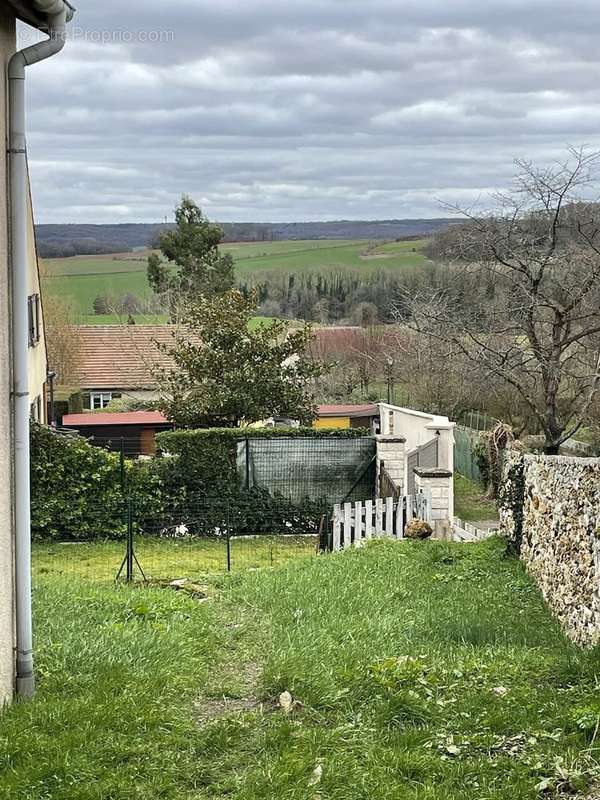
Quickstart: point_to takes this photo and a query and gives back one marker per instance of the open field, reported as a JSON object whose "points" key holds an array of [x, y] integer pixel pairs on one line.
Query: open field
{"points": [[421, 671], [146, 319], [84, 278]]}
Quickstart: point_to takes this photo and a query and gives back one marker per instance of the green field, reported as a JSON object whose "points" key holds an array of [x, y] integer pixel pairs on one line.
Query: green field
{"points": [[83, 278], [414, 671]]}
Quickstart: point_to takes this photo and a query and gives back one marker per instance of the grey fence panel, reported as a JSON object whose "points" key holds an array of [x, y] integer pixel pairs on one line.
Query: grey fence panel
{"points": [[301, 468], [428, 454], [425, 456], [412, 462]]}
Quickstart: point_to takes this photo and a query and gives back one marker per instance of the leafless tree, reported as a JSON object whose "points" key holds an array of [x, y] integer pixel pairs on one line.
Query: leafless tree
{"points": [[62, 344], [522, 302], [441, 380]]}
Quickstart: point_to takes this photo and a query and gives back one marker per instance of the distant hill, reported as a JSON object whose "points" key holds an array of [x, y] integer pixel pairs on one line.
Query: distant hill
{"points": [[58, 241]]}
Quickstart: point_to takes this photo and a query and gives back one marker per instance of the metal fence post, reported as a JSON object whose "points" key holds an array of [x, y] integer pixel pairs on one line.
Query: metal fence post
{"points": [[129, 540], [122, 464], [247, 464], [228, 552]]}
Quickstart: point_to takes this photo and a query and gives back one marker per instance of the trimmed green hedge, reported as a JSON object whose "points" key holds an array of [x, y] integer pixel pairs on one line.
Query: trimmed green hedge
{"points": [[167, 440], [76, 491], [205, 460]]}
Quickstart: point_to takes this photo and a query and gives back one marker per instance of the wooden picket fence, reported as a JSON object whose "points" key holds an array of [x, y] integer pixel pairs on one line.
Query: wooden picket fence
{"points": [[354, 523]]}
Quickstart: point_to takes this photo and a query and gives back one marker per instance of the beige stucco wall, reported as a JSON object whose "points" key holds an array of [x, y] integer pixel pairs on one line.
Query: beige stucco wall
{"points": [[37, 372], [7, 46], [37, 354]]}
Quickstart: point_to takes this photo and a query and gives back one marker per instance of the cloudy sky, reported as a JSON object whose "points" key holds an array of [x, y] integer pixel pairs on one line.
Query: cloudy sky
{"points": [[306, 109]]}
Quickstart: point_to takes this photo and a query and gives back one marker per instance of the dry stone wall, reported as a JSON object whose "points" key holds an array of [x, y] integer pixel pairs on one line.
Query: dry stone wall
{"points": [[550, 513]]}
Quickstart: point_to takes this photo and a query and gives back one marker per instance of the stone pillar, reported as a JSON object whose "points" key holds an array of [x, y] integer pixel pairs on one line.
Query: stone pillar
{"points": [[439, 484], [391, 453], [445, 431]]}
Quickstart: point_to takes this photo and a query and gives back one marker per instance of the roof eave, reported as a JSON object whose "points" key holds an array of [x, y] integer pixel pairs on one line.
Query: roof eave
{"points": [[25, 11]]}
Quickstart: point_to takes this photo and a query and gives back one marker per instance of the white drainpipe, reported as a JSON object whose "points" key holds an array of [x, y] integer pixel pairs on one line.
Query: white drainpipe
{"points": [[58, 13]]}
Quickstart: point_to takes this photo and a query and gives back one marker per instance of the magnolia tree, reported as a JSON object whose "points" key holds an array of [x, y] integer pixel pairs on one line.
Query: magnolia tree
{"points": [[522, 299], [226, 370]]}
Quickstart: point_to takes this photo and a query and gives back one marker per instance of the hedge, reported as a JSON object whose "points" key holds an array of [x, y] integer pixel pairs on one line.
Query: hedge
{"points": [[204, 461], [76, 490]]}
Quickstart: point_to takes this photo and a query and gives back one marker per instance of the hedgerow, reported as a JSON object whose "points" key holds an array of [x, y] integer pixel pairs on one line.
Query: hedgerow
{"points": [[79, 491]]}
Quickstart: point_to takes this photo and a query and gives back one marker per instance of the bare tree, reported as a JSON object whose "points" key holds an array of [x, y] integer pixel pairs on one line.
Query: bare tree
{"points": [[522, 302], [441, 380], [61, 343]]}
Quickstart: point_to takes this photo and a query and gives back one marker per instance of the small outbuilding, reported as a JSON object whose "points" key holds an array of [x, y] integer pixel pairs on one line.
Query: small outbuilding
{"points": [[132, 432], [348, 416]]}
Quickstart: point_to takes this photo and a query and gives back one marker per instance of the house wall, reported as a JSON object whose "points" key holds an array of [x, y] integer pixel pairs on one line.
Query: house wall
{"points": [[438, 484], [391, 453], [418, 428], [7, 642], [147, 395], [37, 355]]}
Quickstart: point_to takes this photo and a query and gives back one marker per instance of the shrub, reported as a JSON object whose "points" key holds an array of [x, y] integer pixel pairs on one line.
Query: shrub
{"points": [[77, 492], [75, 488], [203, 462], [199, 474]]}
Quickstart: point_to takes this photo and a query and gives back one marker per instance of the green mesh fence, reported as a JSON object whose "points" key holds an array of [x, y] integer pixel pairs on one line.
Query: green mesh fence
{"points": [[465, 462], [317, 469]]}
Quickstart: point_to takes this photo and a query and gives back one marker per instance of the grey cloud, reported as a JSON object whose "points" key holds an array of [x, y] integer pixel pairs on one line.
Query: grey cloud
{"points": [[265, 109]]}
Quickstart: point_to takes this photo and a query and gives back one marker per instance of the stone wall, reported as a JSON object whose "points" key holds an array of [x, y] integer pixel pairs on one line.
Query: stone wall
{"points": [[550, 514], [391, 453]]}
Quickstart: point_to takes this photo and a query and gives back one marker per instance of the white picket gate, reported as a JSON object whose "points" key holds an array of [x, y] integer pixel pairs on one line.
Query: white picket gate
{"points": [[357, 522]]}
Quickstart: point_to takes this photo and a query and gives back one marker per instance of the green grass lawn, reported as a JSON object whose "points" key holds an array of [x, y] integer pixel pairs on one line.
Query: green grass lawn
{"points": [[417, 671], [168, 559], [83, 278], [470, 503]]}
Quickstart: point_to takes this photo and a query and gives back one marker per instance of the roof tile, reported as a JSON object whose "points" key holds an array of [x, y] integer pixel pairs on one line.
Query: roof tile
{"points": [[122, 356]]}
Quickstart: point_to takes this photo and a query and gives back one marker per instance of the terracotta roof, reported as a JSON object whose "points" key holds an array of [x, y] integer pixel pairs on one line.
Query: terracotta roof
{"points": [[353, 411], [114, 418], [343, 340], [121, 356]]}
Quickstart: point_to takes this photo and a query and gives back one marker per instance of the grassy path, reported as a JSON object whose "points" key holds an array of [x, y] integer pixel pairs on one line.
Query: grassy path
{"points": [[471, 504], [429, 671]]}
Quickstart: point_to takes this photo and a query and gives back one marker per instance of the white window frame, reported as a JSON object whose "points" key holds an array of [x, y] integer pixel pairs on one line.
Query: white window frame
{"points": [[35, 409], [101, 398]]}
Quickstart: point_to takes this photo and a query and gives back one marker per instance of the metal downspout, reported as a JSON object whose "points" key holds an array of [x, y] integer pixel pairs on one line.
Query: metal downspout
{"points": [[57, 18]]}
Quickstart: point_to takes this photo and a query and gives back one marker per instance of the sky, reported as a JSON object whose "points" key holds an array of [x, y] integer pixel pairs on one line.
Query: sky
{"points": [[289, 110]]}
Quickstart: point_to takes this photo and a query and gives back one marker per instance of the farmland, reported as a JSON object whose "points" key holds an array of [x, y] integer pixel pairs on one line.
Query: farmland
{"points": [[84, 278]]}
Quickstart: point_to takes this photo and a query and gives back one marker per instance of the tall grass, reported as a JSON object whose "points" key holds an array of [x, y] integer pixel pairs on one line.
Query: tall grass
{"points": [[416, 670]]}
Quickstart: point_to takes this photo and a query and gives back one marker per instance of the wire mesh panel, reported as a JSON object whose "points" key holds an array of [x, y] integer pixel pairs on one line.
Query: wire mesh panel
{"points": [[222, 534], [172, 544], [90, 544], [269, 502], [320, 469]]}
